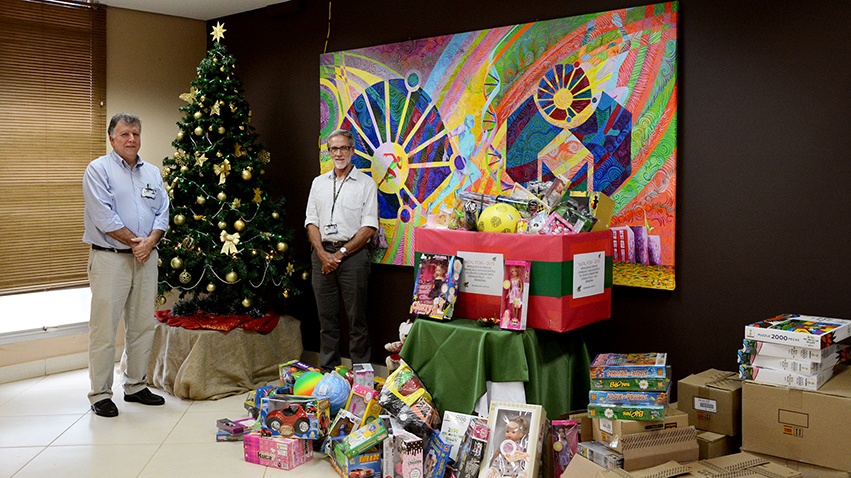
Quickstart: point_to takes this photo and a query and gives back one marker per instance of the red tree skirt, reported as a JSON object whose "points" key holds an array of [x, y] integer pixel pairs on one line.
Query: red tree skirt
{"points": [[224, 323]]}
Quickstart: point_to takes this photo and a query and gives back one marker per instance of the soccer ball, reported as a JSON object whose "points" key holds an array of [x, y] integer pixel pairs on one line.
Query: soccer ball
{"points": [[499, 217]]}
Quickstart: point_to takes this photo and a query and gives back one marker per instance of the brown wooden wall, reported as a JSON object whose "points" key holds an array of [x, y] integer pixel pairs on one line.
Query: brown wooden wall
{"points": [[764, 162]]}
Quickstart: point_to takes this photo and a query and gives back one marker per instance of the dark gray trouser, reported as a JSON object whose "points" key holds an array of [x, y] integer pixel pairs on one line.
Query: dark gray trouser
{"points": [[350, 283]]}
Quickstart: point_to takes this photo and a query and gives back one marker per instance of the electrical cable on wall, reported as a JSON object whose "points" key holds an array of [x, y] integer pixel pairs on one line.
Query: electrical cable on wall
{"points": [[328, 35]]}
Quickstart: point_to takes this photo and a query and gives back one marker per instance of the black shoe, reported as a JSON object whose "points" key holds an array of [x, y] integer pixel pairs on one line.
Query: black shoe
{"points": [[145, 397], [105, 408]]}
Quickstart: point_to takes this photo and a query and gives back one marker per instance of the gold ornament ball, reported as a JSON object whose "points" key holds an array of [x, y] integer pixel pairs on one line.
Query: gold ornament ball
{"points": [[198, 115], [176, 263], [241, 128], [282, 247], [222, 130], [179, 220], [305, 275], [231, 277], [239, 225], [198, 217], [199, 131], [200, 200], [160, 300], [211, 287], [262, 171], [286, 294], [185, 277], [222, 69], [180, 135], [222, 196], [246, 174], [222, 225], [160, 262], [246, 302], [184, 169], [275, 215]]}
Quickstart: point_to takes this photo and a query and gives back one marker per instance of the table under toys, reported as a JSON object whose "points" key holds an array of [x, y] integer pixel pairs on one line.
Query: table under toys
{"points": [[456, 359], [210, 364]]}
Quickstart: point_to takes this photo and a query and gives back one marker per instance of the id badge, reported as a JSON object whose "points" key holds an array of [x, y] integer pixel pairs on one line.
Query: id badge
{"points": [[330, 229], [149, 193]]}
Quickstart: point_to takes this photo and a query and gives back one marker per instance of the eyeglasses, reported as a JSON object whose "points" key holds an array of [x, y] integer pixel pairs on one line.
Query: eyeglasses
{"points": [[339, 149]]}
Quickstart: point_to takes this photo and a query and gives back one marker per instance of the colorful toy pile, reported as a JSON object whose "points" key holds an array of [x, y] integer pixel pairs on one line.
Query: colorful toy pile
{"points": [[391, 431], [798, 351], [544, 208]]}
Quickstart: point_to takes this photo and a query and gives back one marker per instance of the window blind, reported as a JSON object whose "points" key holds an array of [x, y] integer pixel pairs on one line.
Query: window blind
{"points": [[52, 123]]}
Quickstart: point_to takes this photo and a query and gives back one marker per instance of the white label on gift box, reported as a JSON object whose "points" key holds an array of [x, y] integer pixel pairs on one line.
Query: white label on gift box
{"points": [[705, 405], [606, 426], [589, 272], [482, 273]]}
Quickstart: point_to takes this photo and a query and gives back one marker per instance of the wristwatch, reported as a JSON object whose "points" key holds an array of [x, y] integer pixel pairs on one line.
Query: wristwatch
{"points": [[344, 251]]}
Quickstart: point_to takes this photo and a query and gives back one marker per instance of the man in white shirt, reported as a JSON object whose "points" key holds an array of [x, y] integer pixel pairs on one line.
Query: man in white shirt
{"points": [[341, 216]]}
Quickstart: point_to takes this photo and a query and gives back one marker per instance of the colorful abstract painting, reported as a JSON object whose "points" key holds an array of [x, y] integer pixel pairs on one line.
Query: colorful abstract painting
{"points": [[592, 98]]}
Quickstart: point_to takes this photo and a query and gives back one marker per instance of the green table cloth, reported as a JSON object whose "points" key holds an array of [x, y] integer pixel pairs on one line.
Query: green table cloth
{"points": [[455, 360]]}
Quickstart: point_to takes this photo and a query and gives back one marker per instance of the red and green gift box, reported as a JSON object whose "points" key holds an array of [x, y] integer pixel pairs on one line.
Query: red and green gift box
{"points": [[554, 303]]}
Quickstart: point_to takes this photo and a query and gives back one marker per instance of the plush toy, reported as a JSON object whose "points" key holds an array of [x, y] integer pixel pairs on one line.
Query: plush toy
{"points": [[395, 347]]}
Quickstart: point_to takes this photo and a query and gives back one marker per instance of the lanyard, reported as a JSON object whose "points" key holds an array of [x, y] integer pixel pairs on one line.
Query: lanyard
{"points": [[336, 192]]}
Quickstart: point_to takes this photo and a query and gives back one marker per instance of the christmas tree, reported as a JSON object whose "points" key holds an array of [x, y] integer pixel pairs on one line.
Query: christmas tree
{"points": [[227, 247]]}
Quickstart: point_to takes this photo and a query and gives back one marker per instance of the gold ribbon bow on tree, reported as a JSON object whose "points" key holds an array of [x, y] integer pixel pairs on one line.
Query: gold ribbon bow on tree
{"points": [[222, 170], [230, 242]]}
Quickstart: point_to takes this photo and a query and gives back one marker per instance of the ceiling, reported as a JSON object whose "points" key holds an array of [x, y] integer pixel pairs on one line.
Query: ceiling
{"points": [[196, 9]]}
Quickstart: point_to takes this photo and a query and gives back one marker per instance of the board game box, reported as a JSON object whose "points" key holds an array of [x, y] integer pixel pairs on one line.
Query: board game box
{"points": [[649, 384], [782, 377], [633, 365], [789, 351], [628, 397], [626, 412], [806, 331]]}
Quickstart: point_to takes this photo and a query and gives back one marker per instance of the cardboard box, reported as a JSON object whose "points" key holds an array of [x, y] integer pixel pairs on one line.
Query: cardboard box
{"points": [[276, 451], [711, 444], [809, 426], [806, 470], [581, 467], [643, 450], [713, 401], [364, 465], [609, 432], [556, 300], [742, 465]]}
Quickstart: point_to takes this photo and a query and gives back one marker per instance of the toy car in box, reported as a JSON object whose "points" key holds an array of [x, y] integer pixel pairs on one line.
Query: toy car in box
{"points": [[297, 416]]}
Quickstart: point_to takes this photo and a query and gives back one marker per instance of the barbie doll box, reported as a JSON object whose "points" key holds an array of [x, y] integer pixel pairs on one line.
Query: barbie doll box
{"points": [[570, 281]]}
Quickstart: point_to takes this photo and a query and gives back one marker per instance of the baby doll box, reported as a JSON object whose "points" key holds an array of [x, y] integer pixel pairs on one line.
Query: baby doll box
{"points": [[556, 302]]}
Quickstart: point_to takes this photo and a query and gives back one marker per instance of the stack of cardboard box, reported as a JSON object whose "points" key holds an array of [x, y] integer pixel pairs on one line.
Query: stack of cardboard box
{"points": [[713, 402]]}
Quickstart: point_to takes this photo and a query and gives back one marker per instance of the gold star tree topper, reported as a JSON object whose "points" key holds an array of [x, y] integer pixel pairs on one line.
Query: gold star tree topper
{"points": [[218, 32]]}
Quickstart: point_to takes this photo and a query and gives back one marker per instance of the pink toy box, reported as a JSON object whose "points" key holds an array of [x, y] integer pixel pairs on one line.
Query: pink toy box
{"points": [[277, 452]]}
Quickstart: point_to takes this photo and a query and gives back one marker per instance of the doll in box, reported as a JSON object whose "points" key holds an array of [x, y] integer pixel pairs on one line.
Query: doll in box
{"points": [[511, 458], [515, 290]]}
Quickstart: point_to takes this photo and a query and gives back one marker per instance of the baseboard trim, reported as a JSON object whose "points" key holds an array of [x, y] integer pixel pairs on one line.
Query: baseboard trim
{"points": [[43, 367]]}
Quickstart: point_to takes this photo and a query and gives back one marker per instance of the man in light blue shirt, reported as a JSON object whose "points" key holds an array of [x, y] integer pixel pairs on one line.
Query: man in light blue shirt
{"points": [[126, 215]]}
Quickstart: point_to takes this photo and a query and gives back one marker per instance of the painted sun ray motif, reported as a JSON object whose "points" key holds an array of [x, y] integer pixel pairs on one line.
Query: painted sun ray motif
{"points": [[419, 124], [371, 113], [425, 144], [364, 137], [387, 121], [403, 115]]}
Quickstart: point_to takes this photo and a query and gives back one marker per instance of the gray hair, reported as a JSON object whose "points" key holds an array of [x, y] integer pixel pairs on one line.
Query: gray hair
{"points": [[344, 133], [125, 118]]}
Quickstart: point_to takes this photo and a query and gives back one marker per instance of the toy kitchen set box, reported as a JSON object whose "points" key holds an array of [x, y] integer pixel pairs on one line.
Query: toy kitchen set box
{"points": [[570, 283]]}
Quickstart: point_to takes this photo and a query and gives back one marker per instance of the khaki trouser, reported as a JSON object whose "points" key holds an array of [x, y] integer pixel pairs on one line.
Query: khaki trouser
{"points": [[120, 286]]}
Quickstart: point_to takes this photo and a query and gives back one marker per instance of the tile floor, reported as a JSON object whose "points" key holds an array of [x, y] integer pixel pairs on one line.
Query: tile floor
{"points": [[47, 429]]}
